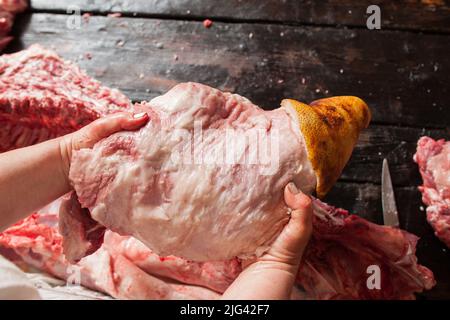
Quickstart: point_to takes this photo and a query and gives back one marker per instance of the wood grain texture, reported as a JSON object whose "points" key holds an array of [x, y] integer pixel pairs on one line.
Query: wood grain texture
{"points": [[397, 145], [403, 77], [405, 14]]}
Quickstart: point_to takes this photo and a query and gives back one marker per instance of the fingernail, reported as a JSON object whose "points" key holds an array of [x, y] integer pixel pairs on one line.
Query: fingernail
{"points": [[292, 187], [139, 115]]}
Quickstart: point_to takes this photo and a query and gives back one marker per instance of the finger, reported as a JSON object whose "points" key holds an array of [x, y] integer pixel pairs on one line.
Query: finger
{"points": [[291, 242], [294, 198], [104, 127]]}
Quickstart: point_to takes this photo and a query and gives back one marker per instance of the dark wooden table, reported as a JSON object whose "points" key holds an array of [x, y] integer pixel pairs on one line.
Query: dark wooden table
{"points": [[269, 50]]}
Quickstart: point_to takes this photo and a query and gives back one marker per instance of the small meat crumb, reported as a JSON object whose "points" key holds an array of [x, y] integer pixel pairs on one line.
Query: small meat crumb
{"points": [[88, 55], [207, 23], [86, 17], [114, 15], [141, 76], [175, 57]]}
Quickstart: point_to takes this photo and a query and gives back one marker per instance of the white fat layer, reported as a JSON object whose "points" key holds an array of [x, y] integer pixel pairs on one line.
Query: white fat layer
{"points": [[185, 203], [305, 178]]}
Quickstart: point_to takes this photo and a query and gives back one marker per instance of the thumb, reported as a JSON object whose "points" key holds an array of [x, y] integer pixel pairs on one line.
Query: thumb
{"points": [[104, 127], [292, 241], [101, 128]]}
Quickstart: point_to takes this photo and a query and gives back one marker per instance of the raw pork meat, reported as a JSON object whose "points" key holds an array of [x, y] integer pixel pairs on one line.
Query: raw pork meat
{"points": [[334, 265], [43, 96], [433, 158], [196, 171], [122, 267]]}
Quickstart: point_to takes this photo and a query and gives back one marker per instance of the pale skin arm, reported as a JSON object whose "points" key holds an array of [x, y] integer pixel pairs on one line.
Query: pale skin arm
{"points": [[272, 276], [32, 177]]}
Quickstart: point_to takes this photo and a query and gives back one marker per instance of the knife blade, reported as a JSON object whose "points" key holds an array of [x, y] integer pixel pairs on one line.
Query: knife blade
{"points": [[390, 213]]}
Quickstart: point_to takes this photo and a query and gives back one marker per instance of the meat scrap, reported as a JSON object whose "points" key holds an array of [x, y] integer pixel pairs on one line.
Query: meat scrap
{"points": [[334, 264], [114, 15], [433, 159], [342, 248], [207, 23], [43, 96]]}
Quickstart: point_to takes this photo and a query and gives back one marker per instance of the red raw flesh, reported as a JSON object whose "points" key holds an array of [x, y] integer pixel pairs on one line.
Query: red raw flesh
{"points": [[43, 96], [8, 9], [207, 23], [433, 159]]}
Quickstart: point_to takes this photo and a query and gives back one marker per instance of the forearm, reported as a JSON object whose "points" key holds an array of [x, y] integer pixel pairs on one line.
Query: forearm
{"points": [[263, 281], [30, 178]]}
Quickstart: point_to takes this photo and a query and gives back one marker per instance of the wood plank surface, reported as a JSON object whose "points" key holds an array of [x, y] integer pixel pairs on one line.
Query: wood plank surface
{"points": [[403, 77], [405, 14]]}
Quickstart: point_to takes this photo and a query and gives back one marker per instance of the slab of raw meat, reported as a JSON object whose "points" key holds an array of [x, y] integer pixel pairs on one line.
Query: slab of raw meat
{"points": [[433, 159], [43, 96], [334, 265], [36, 242], [198, 170]]}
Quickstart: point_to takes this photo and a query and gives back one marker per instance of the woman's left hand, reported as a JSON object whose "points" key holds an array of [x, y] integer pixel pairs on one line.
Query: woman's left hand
{"points": [[99, 129]]}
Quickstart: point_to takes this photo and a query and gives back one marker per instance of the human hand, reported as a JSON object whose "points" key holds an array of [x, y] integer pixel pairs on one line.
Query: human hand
{"points": [[101, 128], [272, 276], [288, 248]]}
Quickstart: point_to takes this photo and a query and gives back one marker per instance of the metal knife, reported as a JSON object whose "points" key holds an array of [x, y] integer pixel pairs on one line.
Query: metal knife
{"points": [[390, 213]]}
